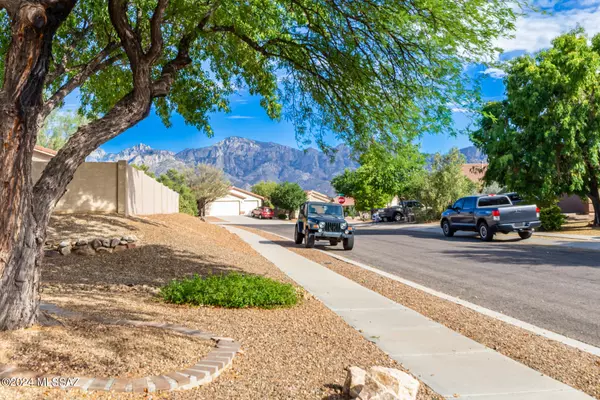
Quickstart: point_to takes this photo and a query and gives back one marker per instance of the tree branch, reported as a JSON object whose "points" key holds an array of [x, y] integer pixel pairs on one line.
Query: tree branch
{"points": [[129, 39], [11, 6], [98, 63], [156, 38]]}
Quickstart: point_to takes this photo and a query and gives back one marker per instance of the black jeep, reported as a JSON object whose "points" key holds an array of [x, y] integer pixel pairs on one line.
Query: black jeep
{"points": [[323, 221]]}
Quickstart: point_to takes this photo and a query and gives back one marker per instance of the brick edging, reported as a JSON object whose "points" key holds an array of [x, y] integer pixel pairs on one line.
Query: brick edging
{"points": [[201, 373]]}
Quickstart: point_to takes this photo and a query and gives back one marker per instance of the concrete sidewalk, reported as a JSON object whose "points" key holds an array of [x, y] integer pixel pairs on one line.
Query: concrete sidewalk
{"points": [[451, 364]]}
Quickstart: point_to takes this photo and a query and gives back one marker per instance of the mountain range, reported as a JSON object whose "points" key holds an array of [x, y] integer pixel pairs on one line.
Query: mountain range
{"points": [[246, 162]]}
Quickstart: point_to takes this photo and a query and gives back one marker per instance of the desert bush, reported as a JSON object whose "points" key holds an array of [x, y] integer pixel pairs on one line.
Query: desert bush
{"points": [[552, 218], [230, 291]]}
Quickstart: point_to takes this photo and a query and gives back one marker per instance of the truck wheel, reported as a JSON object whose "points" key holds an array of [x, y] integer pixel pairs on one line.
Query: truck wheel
{"points": [[298, 237], [384, 219], [309, 240], [525, 234], [398, 217], [333, 242], [484, 232], [448, 231], [349, 243]]}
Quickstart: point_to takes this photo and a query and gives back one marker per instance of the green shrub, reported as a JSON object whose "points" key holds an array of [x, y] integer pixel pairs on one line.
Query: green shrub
{"points": [[282, 216], [231, 291], [552, 218], [423, 215]]}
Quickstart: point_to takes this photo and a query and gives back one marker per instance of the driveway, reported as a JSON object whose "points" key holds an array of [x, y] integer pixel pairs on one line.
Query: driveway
{"points": [[543, 282]]}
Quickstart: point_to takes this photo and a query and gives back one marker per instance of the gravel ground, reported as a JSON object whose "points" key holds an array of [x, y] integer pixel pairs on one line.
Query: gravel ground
{"points": [[92, 349], [295, 353], [573, 367]]}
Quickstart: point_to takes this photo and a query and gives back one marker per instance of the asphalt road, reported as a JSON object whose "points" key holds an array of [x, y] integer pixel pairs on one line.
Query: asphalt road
{"points": [[553, 287]]}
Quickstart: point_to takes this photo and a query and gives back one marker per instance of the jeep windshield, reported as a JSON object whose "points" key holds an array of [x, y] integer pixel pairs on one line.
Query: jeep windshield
{"points": [[322, 209]]}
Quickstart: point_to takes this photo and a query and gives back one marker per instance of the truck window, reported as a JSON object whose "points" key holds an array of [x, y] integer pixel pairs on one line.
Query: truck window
{"points": [[494, 201], [469, 203], [458, 205]]}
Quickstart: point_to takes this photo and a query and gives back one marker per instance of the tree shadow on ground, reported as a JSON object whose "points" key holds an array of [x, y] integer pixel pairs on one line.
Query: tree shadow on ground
{"points": [[75, 226], [152, 265]]}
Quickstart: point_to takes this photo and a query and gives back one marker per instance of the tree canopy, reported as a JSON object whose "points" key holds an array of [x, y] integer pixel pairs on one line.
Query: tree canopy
{"points": [[544, 139], [359, 69], [207, 184], [382, 174], [265, 189], [288, 196], [443, 184], [58, 127], [176, 181]]}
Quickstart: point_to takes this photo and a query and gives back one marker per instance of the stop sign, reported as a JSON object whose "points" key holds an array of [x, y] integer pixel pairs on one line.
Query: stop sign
{"points": [[341, 199]]}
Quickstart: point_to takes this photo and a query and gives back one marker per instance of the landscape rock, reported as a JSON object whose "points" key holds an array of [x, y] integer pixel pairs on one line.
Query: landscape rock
{"points": [[115, 242], [64, 243], [123, 242], [65, 250], [81, 242], [380, 383], [104, 250], [84, 251], [355, 381], [106, 242], [96, 244], [129, 239]]}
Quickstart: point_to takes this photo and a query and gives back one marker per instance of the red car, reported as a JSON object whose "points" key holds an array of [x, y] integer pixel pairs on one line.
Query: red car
{"points": [[263, 212]]}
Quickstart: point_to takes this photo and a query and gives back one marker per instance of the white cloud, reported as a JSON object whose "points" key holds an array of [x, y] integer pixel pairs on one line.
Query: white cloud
{"points": [[495, 73], [239, 117], [535, 31]]}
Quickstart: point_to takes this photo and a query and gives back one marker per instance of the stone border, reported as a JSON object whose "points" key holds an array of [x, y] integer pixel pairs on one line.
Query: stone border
{"points": [[201, 373]]}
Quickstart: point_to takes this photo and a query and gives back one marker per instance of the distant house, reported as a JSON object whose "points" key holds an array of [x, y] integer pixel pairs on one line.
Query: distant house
{"points": [[236, 202], [475, 172], [43, 154], [313, 195]]}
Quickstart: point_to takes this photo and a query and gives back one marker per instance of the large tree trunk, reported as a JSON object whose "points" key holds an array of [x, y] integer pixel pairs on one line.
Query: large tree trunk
{"points": [[22, 229], [595, 198]]}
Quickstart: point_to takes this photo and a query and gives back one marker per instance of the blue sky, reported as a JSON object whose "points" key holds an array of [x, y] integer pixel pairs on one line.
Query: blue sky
{"points": [[534, 31]]}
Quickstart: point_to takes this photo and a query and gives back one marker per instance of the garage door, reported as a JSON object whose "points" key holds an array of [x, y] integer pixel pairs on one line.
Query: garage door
{"points": [[249, 205], [224, 208]]}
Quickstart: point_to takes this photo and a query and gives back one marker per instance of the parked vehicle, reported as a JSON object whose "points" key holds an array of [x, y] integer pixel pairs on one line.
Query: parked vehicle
{"points": [[323, 221], [488, 215], [397, 213], [263, 212]]}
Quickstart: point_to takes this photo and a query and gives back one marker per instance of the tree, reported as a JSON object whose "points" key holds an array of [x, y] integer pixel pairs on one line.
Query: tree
{"points": [[383, 174], [176, 181], [288, 196], [207, 184], [443, 184], [58, 127], [544, 139], [357, 69], [265, 189], [145, 169]]}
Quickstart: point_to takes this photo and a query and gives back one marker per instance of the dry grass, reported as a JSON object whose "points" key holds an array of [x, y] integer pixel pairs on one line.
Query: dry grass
{"points": [[93, 349], [573, 367], [296, 353]]}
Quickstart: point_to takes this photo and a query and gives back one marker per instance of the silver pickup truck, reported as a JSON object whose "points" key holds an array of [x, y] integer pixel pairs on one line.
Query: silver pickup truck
{"points": [[488, 215]]}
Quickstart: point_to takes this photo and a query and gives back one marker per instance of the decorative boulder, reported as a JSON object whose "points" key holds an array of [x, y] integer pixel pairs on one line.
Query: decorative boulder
{"points": [[104, 250], [84, 251], [96, 244], [119, 248], [381, 383], [64, 243], [81, 242], [355, 381], [106, 242], [64, 250], [115, 242]]}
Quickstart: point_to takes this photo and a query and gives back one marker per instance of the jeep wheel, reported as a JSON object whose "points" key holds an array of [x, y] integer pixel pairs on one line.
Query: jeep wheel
{"points": [[484, 232], [298, 237], [398, 217], [448, 231], [309, 240], [349, 243], [333, 242]]}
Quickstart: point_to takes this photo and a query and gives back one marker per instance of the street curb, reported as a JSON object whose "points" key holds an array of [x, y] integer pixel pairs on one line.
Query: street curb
{"points": [[588, 348]]}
